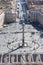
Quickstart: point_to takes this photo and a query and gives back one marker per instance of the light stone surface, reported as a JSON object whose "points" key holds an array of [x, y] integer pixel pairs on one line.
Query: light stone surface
{"points": [[13, 33], [2, 17]]}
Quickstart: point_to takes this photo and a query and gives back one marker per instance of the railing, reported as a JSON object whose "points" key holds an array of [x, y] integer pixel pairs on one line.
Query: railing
{"points": [[21, 59]]}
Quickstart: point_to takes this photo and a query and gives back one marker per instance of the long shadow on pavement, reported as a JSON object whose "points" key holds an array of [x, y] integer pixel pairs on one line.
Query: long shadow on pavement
{"points": [[36, 25]]}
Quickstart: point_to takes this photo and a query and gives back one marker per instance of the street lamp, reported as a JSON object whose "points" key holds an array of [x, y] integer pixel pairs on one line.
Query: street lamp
{"points": [[23, 44], [23, 34]]}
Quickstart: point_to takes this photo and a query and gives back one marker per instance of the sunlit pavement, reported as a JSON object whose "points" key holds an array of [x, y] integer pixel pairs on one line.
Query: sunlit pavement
{"points": [[13, 32]]}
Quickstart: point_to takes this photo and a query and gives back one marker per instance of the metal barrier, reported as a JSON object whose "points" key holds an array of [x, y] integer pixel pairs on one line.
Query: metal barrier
{"points": [[21, 58]]}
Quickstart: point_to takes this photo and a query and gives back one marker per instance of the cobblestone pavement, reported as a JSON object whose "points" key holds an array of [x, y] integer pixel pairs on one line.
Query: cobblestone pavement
{"points": [[12, 33]]}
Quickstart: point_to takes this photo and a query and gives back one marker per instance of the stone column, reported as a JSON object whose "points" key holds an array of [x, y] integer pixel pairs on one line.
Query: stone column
{"points": [[9, 58], [2, 17], [1, 58]]}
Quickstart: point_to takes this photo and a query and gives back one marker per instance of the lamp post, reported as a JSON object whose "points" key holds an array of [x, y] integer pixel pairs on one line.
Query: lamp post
{"points": [[23, 35], [24, 44]]}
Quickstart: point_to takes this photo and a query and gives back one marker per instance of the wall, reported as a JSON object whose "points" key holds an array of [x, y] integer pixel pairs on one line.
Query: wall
{"points": [[7, 17], [36, 16], [10, 17], [33, 16], [40, 18]]}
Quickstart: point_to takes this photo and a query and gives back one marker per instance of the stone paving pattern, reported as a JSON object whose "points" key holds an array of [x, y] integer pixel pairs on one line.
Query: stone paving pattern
{"points": [[13, 32]]}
